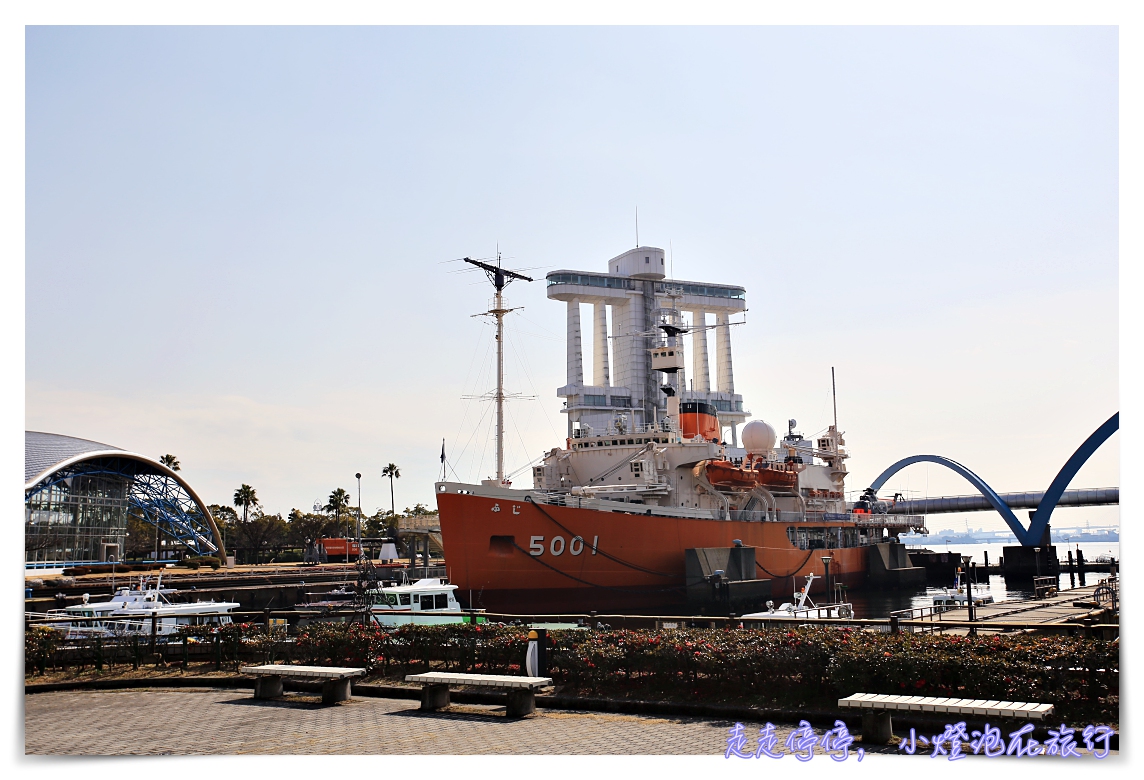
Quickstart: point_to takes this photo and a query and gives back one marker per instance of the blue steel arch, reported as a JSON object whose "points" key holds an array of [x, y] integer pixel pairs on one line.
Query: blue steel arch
{"points": [[156, 498], [1031, 536]]}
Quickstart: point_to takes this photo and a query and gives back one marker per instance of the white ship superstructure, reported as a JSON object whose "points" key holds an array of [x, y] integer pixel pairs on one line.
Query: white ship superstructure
{"points": [[648, 312]]}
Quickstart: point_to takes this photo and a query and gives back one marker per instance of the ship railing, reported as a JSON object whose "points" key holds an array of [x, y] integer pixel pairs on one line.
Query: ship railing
{"points": [[556, 498], [889, 521], [840, 611]]}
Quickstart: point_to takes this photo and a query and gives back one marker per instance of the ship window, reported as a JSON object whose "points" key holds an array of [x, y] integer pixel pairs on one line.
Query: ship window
{"points": [[404, 599], [647, 260], [441, 601]]}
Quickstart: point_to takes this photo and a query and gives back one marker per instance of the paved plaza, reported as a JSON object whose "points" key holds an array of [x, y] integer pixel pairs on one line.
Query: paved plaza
{"points": [[214, 721]]}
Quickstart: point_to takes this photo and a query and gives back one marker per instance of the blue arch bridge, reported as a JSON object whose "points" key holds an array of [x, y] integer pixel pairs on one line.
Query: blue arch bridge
{"points": [[1043, 502]]}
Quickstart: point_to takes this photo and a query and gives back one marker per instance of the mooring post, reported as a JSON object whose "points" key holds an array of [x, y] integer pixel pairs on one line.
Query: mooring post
{"points": [[217, 652], [98, 654], [134, 651], [894, 628]]}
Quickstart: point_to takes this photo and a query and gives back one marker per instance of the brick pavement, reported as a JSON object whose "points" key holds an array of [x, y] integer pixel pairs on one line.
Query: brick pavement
{"points": [[206, 721]]}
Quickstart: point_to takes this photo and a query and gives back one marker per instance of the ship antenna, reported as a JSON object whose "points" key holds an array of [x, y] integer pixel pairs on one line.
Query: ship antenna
{"points": [[637, 229], [834, 397], [500, 279]]}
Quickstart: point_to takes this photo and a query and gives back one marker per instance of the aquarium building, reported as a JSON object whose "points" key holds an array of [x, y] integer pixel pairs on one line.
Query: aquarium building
{"points": [[78, 495]]}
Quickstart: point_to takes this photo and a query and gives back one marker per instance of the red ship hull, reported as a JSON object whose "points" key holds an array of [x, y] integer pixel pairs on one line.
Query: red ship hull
{"points": [[509, 555]]}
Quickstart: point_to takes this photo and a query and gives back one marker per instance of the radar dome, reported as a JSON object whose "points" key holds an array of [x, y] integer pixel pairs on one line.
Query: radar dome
{"points": [[758, 437]]}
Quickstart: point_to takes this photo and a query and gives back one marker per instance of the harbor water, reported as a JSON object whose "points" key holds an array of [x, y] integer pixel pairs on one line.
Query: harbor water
{"points": [[880, 603]]}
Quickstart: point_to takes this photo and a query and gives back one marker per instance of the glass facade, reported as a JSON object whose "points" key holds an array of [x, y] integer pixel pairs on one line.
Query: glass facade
{"points": [[625, 283], [710, 290], [71, 520], [591, 280]]}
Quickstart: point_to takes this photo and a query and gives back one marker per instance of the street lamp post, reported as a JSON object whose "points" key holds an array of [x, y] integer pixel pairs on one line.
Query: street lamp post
{"points": [[358, 477], [969, 603]]}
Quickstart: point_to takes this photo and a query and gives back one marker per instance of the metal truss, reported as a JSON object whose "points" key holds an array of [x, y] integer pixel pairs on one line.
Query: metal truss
{"points": [[1031, 536], [154, 497]]}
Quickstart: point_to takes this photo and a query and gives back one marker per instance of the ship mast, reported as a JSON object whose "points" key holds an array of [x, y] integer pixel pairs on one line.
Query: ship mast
{"points": [[500, 279]]}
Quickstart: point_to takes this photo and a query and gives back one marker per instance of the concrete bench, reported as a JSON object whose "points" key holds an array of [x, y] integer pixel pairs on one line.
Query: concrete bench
{"points": [[335, 680], [521, 690], [876, 709]]}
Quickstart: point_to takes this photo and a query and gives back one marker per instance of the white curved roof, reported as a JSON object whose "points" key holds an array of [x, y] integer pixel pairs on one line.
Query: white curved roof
{"points": [[43, 451]]}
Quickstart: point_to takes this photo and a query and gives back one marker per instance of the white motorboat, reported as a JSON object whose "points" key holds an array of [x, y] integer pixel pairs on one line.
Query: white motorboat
{"points": [[804, 607], [951, 599], [425, 602], [132, 611]]}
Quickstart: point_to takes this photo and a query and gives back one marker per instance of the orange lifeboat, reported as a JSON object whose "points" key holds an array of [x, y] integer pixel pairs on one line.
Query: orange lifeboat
{"points": [[773, 476]]}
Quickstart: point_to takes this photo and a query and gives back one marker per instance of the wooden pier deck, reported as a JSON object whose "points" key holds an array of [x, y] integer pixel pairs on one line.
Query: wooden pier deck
{"points": [[1065, 607]]}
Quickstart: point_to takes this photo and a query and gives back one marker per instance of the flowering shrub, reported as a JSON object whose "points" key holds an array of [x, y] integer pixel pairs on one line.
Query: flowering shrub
{"points": [[1075, 674], [802, 667], [816, 666], [40, 642], [467, 648]]}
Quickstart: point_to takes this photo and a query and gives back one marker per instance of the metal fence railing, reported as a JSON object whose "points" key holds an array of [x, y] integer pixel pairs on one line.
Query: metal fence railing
{"points": [[1108, 592], [1043, 587]]}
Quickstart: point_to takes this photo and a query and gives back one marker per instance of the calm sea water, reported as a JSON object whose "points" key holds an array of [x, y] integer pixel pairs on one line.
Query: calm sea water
{"points": [[879, 604]]}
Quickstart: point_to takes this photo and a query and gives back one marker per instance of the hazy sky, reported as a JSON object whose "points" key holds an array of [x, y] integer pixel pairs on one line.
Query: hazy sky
{"points": [[236, 238]]}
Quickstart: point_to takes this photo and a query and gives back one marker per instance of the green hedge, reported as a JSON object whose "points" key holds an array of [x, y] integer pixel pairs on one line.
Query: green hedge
{"points": [[807, 667]]}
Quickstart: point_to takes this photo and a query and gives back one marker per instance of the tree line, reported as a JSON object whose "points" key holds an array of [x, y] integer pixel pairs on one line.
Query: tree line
{"points": [[255, 536]]}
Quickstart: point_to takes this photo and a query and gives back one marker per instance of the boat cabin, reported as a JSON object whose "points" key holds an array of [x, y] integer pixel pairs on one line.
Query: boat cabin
{"points": [[427, 601]]}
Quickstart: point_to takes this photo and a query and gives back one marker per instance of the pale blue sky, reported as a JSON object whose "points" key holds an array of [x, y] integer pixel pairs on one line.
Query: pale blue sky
{"points": [[245, 229]]}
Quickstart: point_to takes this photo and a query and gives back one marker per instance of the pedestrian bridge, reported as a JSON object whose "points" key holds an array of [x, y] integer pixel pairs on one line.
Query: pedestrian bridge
{"points": [[1044, 502]]}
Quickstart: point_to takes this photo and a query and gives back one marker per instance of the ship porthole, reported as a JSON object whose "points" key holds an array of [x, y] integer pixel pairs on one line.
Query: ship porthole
{"points": [[553, 547], [576, 546]]}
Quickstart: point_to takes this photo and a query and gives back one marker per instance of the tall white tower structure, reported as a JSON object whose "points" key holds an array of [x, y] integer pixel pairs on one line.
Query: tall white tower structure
{"points": [[636, 289]]}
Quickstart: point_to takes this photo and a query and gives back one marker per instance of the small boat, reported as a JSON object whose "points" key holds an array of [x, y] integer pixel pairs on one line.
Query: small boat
{"points": [[843, 609], [429, 601], [951, 599], [758, 473], [342, 596], [132, 611]]}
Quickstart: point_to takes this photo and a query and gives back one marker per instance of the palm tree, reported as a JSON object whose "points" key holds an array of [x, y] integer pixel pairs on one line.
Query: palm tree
{"points": [[170, 461], [245, 497], [339, 500], [393, 473]]}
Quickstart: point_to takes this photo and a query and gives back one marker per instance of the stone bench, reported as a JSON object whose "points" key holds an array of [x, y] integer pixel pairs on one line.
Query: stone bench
{"points": [[876, 709], [521, 690], [335, 680]]}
